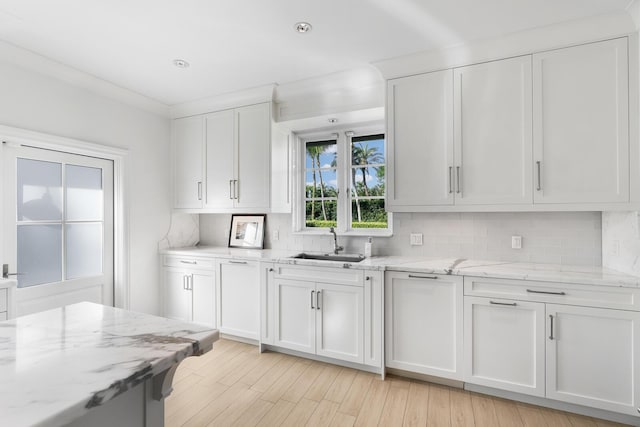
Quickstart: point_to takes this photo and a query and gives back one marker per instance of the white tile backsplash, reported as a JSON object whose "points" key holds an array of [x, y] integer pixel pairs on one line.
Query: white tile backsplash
{"points": [[547, 237]]}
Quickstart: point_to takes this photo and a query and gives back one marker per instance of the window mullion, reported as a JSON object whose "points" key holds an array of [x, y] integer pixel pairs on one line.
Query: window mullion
{"points": [[344, 159]]}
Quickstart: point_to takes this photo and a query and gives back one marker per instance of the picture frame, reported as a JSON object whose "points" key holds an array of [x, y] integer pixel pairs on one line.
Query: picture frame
{"points": [[247, 231]]}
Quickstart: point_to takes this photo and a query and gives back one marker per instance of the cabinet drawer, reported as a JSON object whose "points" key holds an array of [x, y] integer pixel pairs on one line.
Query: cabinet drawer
{"points": [[553, 292], [342, 276], [3, 300], [189, 262]]}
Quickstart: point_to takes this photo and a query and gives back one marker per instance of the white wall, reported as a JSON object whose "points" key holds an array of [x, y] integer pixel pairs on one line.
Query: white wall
{"points": [[36, 102], [570, 238]]}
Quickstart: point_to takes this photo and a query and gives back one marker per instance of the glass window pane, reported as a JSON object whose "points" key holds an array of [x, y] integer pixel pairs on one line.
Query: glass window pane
{"points": [[321, 213], [368, 214], [367, 150], [84, 250], [39, 190], [84, 193], [39, 254], [320, 154], [368, 181], [321, 183]]}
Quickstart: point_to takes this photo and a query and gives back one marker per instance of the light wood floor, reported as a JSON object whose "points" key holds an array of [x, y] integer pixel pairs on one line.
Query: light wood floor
{"points": [[235, 385]]}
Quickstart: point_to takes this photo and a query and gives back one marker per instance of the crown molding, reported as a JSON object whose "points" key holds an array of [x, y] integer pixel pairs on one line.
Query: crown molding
{"points": [[223, 102], [31, 61], [520, 43]]}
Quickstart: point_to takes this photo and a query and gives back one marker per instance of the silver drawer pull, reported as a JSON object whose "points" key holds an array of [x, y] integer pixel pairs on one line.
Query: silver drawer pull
{"points": [[531, 291], [188, 262], [237, 262], [512, 304], [312, 293], [414, 276], [551, 337]]}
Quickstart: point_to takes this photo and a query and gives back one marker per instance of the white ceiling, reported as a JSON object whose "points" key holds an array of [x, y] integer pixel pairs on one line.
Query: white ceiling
{"points": [[238, 44]]}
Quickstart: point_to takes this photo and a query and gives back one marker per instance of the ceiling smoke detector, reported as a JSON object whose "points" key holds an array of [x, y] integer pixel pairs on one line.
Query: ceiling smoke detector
{"points": [[302, 27], [332, 120], [181, 63]]}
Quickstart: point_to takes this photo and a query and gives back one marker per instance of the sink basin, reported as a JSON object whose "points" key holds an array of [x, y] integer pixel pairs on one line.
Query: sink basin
{"points": [[330, 257]]}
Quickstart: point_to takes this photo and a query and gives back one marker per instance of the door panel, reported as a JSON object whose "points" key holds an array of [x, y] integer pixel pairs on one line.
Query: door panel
{"points": [[295, 315], [176, 298], [339, 320], [219, 174], [203, 298], [188, 140], [58, 227]]}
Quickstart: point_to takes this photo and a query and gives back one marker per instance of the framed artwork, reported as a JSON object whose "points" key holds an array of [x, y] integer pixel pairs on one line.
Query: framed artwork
{"points": [[247, 231]]}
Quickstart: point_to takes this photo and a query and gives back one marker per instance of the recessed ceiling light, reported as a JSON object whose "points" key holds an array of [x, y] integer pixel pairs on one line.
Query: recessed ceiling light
{"points": [[333, 120], [181, 63], [302, 27]]}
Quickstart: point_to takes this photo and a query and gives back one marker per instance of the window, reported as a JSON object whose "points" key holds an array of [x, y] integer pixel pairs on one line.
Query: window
{"points": [[352, 160]]}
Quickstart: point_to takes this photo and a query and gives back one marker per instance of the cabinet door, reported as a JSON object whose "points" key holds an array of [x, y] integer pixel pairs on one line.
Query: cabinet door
{"points": [[203, 299], [424, 323], [219, 160], [581, 137], [592, 357], [420, 141], [339, 322], [239, 298], [187, 147], [295, 315], [176, 296], [504, 342], [492, 133], [253, 156]]}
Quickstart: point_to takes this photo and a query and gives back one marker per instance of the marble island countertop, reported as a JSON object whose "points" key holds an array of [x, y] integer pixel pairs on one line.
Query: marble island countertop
{"points": [[55, 366], [435, 265]]}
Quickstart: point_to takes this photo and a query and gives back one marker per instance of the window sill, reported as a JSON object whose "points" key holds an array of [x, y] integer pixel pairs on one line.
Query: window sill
{"points": [[352, 233]]}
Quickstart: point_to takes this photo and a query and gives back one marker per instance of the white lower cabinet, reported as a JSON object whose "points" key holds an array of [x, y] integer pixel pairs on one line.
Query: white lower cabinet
{"points": [[504, 342], [189, 293], [423, 320], [238, 287], [330, 312], [534, 338], [593, 357]]}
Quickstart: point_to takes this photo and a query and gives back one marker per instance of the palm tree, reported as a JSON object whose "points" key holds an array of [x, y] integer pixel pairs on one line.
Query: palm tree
{"points": [[364, 155], [314, 151]]}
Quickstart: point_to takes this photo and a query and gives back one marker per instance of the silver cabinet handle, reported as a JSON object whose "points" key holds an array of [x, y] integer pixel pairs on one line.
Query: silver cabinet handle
{"points": [[458, 179], [539, 186], [237, 262], [191, 282], [531, 291], [230, 190], [318, 300], [235, 189], [367, 278], [450, 179], [551, 329], [199, 190], [414, 276], [312, 307], [512, 304], [184, 282], [188, 262]]}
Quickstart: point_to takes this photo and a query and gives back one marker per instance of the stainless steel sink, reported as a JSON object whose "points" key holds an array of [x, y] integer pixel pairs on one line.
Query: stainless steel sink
{"points": [[330, 257]]}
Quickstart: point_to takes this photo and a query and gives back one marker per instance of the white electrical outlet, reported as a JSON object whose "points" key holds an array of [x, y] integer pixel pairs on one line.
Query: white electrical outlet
{"points": [[415, 239], [516, 242], [615, 248], [276, 234]]}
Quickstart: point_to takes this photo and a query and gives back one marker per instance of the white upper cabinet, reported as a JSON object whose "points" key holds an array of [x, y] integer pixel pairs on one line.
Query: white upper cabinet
{"points": [[233, 148], [420, 140], [492, 132], [253, 156], [219, 159], [580, 115], [188, 140]]}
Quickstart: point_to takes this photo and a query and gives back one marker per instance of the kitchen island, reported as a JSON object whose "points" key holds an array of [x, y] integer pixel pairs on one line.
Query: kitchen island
{"points": [[90, 365]]}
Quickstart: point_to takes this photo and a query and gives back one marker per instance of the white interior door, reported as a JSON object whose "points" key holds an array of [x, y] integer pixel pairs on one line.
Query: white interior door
{"points": [[58, 227]]}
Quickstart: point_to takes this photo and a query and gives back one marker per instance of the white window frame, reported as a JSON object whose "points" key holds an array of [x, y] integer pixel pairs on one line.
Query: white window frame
{"points": [[343, 177]]}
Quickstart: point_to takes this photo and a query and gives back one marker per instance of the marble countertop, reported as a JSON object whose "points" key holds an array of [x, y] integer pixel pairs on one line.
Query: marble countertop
{"points": [[58, 364], [436, 265]]}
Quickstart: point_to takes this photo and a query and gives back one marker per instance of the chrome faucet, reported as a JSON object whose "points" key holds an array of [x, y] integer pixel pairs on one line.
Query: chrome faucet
{"points": [[336, 248]]}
